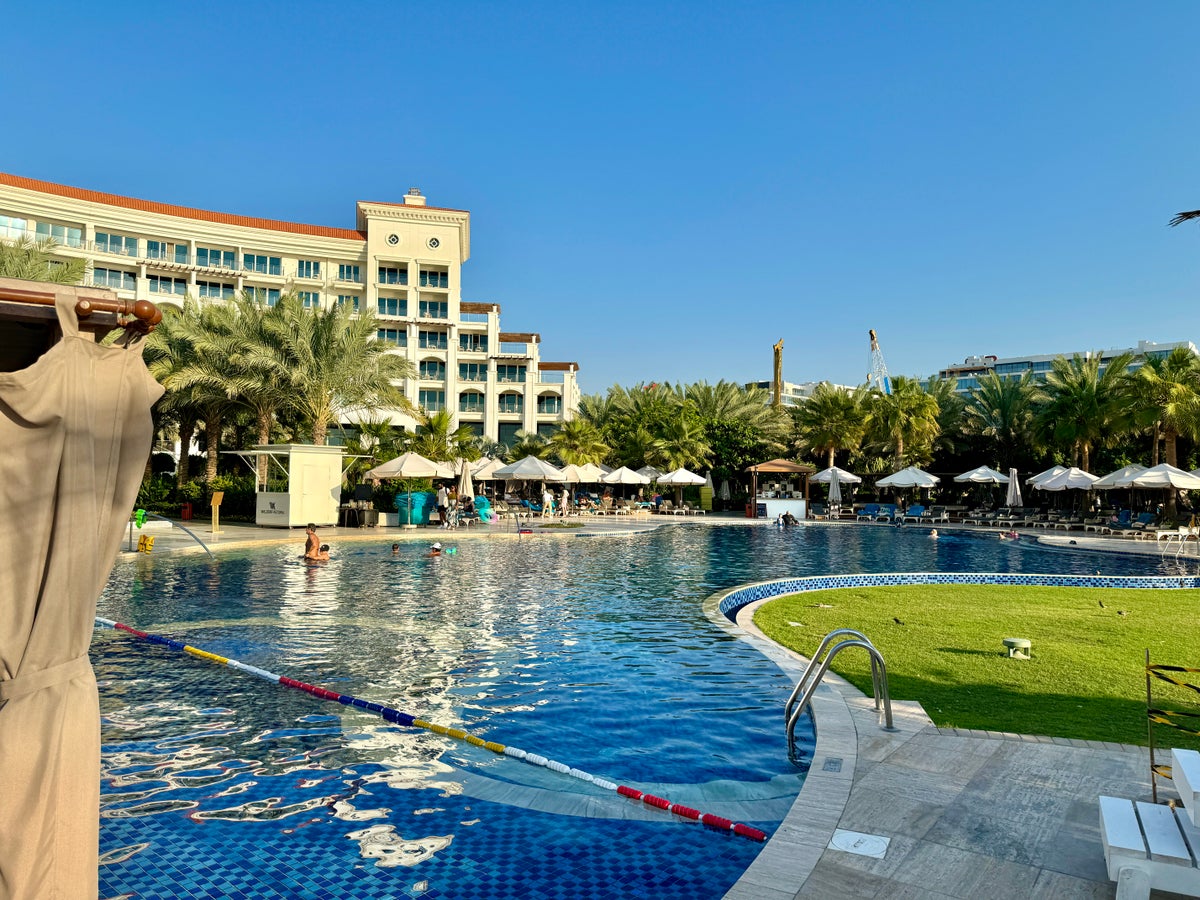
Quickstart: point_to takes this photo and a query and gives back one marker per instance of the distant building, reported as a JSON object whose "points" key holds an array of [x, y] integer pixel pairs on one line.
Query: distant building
{"points": [[966, 375], [402, 260], [793, 394]]}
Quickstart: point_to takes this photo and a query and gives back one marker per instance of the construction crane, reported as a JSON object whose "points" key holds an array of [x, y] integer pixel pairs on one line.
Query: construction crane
{"points": [[879, 373]]}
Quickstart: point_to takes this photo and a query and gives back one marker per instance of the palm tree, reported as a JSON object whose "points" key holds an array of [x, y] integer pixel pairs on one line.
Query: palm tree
{"points": [[437, 440], [682, 443], [577, 442], [1002, 410], [729, 402], [528, 443], [949, 416], [1168, 388], [168, 351], [375, 441], [1082, 405], [903, 422], [830, 420], [35, 261], [334, 363]]}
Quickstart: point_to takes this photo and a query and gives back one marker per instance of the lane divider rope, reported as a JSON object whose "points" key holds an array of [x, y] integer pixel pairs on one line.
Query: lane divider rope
{"points": [[397, 717]]}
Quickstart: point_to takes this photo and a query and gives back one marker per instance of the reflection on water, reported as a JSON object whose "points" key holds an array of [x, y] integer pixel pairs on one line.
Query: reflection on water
{"points": [[592, 652]]}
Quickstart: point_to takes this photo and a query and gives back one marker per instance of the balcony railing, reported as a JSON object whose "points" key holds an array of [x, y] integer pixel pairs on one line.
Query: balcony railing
{"points": [[478, 318], [435, 280], [514, 349]]}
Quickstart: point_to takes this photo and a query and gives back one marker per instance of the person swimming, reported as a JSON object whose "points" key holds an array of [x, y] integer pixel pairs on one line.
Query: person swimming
{"points": [[933, 534]]}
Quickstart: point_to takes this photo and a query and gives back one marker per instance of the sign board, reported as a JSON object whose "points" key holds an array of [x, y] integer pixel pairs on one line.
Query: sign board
{"points": [[273, 509], [217, 497]]}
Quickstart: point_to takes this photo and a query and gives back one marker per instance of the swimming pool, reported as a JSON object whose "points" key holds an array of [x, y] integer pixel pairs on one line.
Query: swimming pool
{"points": [[594, 652]]}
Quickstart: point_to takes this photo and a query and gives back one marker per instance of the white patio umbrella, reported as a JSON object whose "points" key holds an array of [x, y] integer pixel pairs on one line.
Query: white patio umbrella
{"points": [[485, 469], [406, 466], [1042, 476], [1013, 499], [826, 476], [1161, 476], [678, 479], [625, 475], [589, 473], [982, 475], [1069, 479], [1116, 479], [650, 472], [909, 477], [529, 469], [570, 473]]}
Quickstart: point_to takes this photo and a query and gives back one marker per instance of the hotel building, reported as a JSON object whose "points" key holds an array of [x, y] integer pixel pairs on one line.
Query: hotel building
{"points": [[401, 260], [966, 375]]}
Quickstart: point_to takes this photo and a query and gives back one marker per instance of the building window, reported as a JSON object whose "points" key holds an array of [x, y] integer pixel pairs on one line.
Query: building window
{"points": [[472, 371], [160, 284], [507, 433], [432, 370], [347, 272], [308, 268], [267, 265], [215, 259], [63, 234], [433, 309], [214, 290], [432, 340], [549, 404], [511, 403], [166, 250], [510, 374], [475, 342], [434, 279], [391, 306], [470, 402], [351, 299], [310, 299], [116, 279], [392, 275], [432, 401], [269, 296], [397, 336], [12, 227], [116, 243]]}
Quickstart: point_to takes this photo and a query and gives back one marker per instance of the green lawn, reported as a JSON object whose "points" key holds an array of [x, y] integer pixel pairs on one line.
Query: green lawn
{"points": [[1086, 678]]}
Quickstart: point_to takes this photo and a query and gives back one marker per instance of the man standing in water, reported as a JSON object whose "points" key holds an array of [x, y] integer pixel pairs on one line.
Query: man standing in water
{"points": [[312, 544]]}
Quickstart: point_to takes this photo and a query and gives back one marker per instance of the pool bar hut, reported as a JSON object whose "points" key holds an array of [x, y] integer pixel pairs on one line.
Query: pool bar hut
{"points": [[299, 483], [777, 487]]}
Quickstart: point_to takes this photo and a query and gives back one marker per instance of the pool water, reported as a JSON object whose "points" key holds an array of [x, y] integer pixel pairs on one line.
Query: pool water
{"points": [[593, 652]]}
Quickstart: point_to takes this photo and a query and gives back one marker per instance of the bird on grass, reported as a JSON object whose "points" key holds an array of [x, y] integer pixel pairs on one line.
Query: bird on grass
{"points": [[1101, 602], [897, 621], [1121, 612]]}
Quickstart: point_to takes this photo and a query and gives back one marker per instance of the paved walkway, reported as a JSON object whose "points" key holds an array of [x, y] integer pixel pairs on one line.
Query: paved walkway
{"points": [[965, 814]]}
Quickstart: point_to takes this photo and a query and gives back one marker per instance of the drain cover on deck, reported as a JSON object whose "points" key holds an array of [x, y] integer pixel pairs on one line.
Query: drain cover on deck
{"points": [[872, 845]]}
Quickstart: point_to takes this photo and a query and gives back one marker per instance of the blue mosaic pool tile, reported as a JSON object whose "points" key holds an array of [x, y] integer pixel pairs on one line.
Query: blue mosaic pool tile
{"points": [[739, 597]]}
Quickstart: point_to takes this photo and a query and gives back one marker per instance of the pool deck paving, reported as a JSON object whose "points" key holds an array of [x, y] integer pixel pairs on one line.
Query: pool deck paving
{"points": [[965, 814]]}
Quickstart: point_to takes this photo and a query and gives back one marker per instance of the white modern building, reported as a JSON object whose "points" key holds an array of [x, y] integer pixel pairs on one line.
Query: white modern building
{"points": [[966, 375], [792, 394], [402, 260]]}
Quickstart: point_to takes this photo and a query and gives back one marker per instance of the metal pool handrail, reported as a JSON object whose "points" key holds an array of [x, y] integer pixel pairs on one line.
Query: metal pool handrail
{"points": [[810, 680]]}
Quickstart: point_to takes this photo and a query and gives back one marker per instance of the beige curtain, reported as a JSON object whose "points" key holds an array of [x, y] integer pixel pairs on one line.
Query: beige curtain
{"points": [[75, 432]]}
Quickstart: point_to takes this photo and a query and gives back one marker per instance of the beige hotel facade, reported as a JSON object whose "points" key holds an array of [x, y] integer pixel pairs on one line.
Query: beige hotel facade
{"points": [[402, 260]]}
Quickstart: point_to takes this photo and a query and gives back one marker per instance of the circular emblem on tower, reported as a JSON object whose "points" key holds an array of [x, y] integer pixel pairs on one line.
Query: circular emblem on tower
{"points": [[393, 239], [433, 243]]}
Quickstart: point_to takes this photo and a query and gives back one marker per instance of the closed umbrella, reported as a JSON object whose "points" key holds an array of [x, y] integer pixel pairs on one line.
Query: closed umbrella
{"points": [[1013, 500], [465, 487], [835, 491], [724, 493], [706, 491]]}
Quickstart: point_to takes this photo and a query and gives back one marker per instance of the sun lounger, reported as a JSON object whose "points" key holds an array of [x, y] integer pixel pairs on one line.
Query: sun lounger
{"points": [[914, 513], [1154, 847], [869, 512]]}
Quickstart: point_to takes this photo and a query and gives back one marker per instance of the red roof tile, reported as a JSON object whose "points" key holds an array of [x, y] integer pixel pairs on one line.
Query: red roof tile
{"points": [[184, 212]]}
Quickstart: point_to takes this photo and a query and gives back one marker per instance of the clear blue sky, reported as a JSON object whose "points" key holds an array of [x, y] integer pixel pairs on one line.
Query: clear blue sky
{"points": [[663, 190]]}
